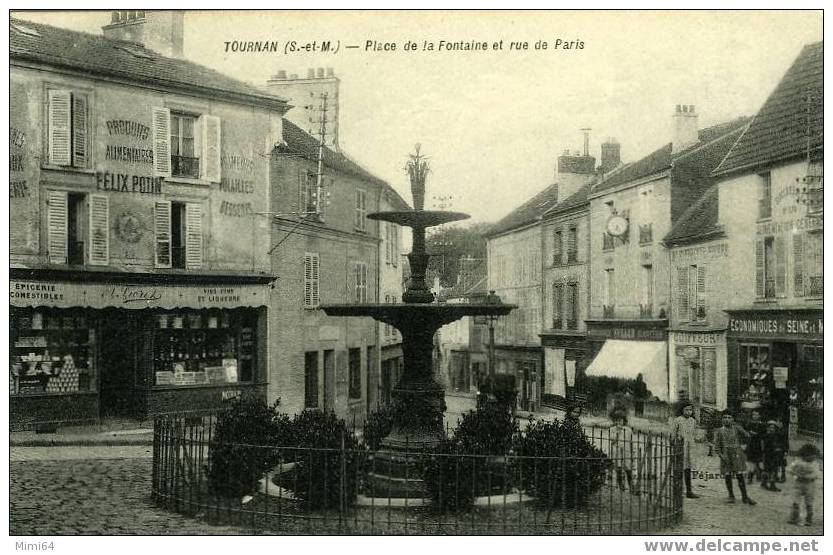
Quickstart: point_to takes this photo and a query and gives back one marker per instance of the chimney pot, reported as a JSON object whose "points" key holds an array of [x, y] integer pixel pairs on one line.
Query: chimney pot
{"points": [[311, 73], [685, 128], [320, 72], [282, 74], [679, 108]]}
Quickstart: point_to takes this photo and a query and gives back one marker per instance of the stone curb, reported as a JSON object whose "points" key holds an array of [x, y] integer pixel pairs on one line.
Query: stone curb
{"points": [[83, 440]]}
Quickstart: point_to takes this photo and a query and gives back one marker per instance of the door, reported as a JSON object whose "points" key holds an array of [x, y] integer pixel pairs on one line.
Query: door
{"points": [[120, 335]]}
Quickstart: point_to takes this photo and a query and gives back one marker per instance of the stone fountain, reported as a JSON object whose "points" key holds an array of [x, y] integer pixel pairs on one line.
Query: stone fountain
{"points": [[418, 424]]}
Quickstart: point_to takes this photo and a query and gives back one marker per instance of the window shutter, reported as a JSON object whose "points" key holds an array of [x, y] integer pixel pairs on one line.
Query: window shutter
{"points": [[57, 214], [193, 235], [395, 246], [162, 230], [682, 292], [315, 280], [210, 163], [798, 265], [759, 268], [59, 127], [780, 267], [556, 247], [99, 230], [161, 132], [79, 131], [701, 289], [307, 279], [364, 282]]}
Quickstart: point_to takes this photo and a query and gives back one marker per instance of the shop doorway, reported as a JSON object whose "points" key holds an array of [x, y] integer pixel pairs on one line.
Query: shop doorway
{"points": [[119, 337]]}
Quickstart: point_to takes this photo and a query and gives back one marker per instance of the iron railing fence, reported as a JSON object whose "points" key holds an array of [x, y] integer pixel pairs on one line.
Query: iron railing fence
{"points": [[630, 483]]}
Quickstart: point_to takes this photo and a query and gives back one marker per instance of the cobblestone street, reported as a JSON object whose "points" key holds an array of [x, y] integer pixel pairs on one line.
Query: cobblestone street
{"points": [[90, 491]]}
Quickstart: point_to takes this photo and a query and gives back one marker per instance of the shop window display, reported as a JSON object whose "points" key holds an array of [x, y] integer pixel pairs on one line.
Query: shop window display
{"points": [[52, 352], [203, 348]]}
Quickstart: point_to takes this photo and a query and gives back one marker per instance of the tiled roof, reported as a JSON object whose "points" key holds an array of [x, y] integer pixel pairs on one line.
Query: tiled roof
{"points": [[528, 212], [792, 114], [577, 199], [471, 282], [97, 55], [298, 141], [699, 221], [661, 159]]}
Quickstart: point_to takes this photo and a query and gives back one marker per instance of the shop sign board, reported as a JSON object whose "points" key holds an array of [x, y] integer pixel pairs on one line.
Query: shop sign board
{"points": [[699, 338], [134, 296], [799, 324], [625, 331]]}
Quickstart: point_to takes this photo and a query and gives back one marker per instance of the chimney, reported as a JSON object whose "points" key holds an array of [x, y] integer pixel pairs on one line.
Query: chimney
{"points": [[159, 30], [311, 73], [685, 127], [281, 74], [611, 155], [586, 132], [320, 72]]}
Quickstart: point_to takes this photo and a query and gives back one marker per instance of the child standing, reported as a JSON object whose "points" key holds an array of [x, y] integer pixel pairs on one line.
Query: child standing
{"points": [[622, 449], [727, 445], [684, 427], [805, 471], [773, 453], [754, 447]]}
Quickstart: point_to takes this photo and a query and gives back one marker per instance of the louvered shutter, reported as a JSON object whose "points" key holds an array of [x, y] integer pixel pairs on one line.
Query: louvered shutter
{"points": [[161, 131], [556, 247], [57, 224], [556, 304], [682, 293], [79, 131], [59, 127], [162, 230], [780, 267], [302, 192], [99, 230], [395, 244], [798, 265], [193, 235], [701, 290], [760, 269], [307, 279], [210, 163], [315, 280]]}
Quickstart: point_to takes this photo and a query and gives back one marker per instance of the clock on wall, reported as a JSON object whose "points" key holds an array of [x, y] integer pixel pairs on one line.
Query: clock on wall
{"points": [[617, 225]]}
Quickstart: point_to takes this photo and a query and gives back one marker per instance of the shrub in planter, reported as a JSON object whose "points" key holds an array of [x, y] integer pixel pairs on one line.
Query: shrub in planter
{"points": [[241, 448], [471, 463], [563, 469], [325, 469]]}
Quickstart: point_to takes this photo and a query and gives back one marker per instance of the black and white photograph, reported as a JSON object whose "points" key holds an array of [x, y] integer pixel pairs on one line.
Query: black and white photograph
{"points": [[417, 273]]}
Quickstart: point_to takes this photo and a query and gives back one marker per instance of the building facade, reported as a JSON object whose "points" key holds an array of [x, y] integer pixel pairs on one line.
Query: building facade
{"points": [[134, 288], [630, 212], [775, 289]]}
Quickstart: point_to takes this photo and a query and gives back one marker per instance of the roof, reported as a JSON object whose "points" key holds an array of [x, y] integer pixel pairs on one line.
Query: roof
{"points": [[298, 141], [699, 221], [97, 55], [579, 198], [791, 121], [471, 281], [661, 159], [528, 212]]}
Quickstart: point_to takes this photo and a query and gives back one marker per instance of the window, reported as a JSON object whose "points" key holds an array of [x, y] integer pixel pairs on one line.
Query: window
{"points": [[185, 145], [311, 379], [361, 282], [646, 234], [308, 191], [609, 292], [572, 306], [311, 280], [754, 358], [78, 224], [691, 293], [391, 243], [808, 268], [608, 241], [361, 209], [572, 244], [770, 267], [355, 373], [68, 124], [646, 307], [765, 196], [557, 304], [557, 246], [178, 231]]}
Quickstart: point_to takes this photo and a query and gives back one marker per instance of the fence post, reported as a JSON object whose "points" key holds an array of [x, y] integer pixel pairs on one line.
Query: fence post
{"points": [[342, 484]]}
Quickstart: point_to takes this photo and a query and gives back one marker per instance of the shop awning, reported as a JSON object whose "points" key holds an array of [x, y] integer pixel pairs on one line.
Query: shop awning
{"points": [[627, 359], [60, 294]]}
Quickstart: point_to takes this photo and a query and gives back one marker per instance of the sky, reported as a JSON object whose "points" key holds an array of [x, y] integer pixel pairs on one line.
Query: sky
{"points": [[494, 122]]}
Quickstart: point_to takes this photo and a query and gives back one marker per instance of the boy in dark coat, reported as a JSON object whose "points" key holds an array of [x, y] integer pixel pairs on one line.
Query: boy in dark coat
{"points": [[773, 454]]}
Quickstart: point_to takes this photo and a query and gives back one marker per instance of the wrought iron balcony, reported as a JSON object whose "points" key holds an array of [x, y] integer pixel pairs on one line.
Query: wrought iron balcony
{"points": [[177, 257], [608, 311], [816, 286], [556, 258], [75, 252], [572, 256], [185, 166], [646, 311], [769, 288], [572, 324], [556, 323]]}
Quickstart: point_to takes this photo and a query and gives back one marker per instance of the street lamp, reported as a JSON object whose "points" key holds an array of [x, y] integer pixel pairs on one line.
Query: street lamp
{"points": [[493, 299]]}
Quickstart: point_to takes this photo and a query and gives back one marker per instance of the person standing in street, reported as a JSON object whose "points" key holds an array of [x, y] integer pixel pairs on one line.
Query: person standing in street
{"points": [[683, 427], [773, 454], [727, 445], [622, 450], [754, 447], [805, 471]]}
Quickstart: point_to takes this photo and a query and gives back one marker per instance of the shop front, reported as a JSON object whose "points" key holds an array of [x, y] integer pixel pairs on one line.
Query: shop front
{"points": [[525, 364], [776, 365], [565, 355], [83, 350], [697, 367]]}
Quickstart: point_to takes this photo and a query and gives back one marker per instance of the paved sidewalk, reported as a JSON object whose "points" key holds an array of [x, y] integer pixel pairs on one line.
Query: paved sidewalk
{"points": [[107, 432]]}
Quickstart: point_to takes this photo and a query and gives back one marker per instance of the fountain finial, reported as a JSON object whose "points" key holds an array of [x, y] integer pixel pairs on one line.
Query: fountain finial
{"points": [[418, 169]]}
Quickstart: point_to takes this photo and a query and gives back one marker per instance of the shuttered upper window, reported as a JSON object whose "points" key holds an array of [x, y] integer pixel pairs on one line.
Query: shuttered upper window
{"points": [[311, 280], [770, 267], [68, 141], [360, 281], [78, 230], [691, 293], [186, 145], [361, 209], [179, 235]]}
